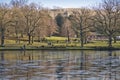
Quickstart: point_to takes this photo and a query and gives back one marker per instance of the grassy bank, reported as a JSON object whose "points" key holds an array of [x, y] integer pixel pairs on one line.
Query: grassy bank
{"points": [[58, 48], [58, 43]]}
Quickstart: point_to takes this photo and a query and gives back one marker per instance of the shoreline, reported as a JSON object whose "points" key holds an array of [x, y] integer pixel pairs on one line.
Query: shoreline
{"points": [[58, 48]]}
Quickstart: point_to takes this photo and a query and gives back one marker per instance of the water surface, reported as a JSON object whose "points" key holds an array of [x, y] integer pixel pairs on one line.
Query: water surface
{"points": [[59, 65]]}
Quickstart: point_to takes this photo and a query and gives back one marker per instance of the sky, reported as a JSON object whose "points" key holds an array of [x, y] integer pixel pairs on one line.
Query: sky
{"points": [[63, 3]]}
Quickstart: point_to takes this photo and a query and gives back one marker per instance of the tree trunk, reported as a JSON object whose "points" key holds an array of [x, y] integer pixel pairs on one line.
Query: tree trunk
{"points": [[2, 37], [39, 39], [110, 41], [32, 39], [17, 40], [29, 38], [81, 38], [114, 39], [21, 35], [68, 35], [85, 40]]}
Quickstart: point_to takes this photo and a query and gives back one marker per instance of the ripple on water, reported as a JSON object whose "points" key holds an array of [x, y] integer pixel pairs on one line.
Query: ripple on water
{"points": [[39, 78], [93, 78]]}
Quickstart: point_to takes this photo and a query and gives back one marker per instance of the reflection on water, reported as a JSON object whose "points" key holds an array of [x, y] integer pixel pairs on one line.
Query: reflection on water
{"points": [[60, 65]]}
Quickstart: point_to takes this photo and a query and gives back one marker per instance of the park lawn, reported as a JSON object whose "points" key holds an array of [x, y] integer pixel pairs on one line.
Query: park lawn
{"points": [[116, 45], [11, 44], [53, 38], [96, 44]]}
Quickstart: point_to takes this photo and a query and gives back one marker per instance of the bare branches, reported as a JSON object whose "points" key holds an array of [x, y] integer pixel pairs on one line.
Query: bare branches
{"points": [[107, 18], [81, 21]]}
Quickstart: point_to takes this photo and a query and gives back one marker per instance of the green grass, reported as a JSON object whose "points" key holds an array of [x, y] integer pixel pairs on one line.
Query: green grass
{"points": [[117, 45], [11, 44], [97, 44], [53, 38]]}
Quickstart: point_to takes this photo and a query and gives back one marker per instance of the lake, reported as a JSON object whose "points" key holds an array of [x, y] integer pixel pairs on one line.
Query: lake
{"points": [[59, 65]]}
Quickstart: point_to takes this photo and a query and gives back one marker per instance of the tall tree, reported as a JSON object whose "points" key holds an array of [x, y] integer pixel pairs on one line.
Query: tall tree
{"points": [[51, 27], [18, 3], [17, 18], [81, 22], [107, 19], [32, 15], [67, 29], [4, 21], [46, 27]]}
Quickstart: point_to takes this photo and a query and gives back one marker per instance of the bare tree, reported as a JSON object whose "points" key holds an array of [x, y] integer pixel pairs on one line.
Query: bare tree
{"points": [[46, 26], [4, 21], [107, 19], [81, 22], [17, 18], [18, 3], [67, 29], [51, 26], [32, 15]]}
